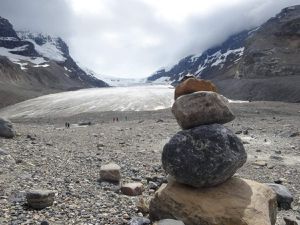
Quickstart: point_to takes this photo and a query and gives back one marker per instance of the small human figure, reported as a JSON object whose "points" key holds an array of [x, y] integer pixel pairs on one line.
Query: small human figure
{"points": [[117, 119]]}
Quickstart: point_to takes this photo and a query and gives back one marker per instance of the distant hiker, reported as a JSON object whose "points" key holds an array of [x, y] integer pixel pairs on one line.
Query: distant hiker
{"points": [[117, 119], [67, 125]]}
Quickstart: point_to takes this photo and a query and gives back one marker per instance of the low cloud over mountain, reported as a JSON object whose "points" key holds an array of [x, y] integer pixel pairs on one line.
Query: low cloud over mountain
{"points": [[135, 37]]}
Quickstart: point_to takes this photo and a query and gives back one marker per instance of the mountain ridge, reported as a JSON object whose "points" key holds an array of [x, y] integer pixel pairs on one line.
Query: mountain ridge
{"points": [[257, 64], [33, 64]]}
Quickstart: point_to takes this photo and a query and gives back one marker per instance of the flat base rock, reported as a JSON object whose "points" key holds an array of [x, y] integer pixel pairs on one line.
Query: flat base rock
{"points": [[235, 202]]}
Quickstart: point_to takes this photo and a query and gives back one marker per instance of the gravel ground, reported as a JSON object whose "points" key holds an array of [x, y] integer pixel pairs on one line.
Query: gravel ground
{"points": [[68, 161]]}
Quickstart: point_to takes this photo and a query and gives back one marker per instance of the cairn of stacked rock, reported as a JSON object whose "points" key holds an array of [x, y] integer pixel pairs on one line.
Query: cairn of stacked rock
{"points": [[202, 159]]}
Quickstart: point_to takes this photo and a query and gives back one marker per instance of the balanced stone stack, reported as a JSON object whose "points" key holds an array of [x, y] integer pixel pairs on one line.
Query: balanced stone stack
{"points": [[201, 160]]}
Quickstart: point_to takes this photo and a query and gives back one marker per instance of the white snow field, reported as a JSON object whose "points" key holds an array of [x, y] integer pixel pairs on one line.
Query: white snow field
{"points": [[134, 98]]}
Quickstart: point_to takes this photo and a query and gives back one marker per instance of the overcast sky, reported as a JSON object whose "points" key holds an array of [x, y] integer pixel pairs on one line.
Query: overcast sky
{"points": [[134, 38]]}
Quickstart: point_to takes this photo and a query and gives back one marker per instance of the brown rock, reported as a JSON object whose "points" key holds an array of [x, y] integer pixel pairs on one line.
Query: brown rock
{"points": [[132, 189], [192, 85], [110, 172], [260, 163], [199, 108], [235, 202]]}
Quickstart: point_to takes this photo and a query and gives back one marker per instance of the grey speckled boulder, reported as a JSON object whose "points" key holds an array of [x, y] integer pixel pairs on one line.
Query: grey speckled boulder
{"points": [[199, 108], [6, 129], [203, 156], [39, 199]]}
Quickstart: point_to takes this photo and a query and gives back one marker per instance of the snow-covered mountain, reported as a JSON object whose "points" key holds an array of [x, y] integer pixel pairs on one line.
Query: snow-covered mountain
{"points": [[115, 81], [258, 64], [51, 48], [208, 64], [32, 64]]}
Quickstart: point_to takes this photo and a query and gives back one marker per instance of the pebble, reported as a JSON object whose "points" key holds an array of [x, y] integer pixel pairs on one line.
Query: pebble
{"points": [[260, 163], [132, 189], [110, 172], [152, 185], [39, 199]]}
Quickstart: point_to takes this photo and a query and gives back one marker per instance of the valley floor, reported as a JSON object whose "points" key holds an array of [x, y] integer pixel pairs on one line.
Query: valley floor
{"points": [[49, 156]]}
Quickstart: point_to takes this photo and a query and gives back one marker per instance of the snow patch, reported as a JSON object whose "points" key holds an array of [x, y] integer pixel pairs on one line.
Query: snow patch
{"points": [[221, 58], [67, 69], [49, 50], [22, 65], [42, 65], [113, 81], [195, 57], [15, 58], [8, 39]]}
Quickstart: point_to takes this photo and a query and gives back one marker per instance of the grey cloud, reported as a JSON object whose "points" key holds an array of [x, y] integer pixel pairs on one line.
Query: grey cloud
{"points": [[132, 40], [48, 16]]}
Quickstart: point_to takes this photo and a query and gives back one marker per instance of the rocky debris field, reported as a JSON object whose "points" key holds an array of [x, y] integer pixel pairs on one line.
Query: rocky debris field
{"points": [[44, 155]]}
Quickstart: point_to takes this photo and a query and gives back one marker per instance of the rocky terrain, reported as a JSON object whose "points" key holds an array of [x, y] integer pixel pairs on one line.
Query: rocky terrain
{"points": [[257, 64], [33, 64], [46, 155]]}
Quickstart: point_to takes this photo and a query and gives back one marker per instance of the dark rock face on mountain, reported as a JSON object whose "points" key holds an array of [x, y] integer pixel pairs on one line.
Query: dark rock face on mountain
{"points": [[211, 63], [259, 64], [35, 64], [10, 40], [274, 51]]}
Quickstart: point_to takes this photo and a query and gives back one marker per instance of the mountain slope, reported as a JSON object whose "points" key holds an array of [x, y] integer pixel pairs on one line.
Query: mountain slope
{"points": [[260, 64], [33, 64], [210, 63]]}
